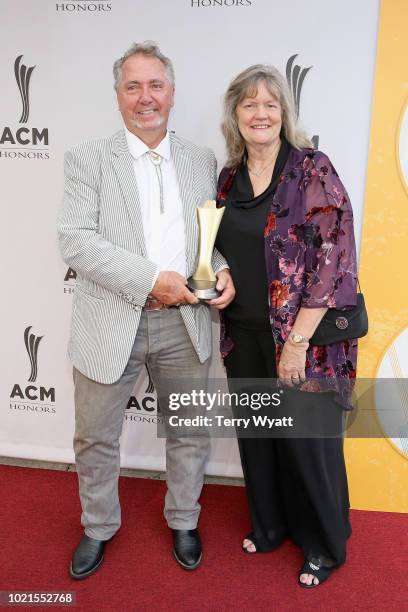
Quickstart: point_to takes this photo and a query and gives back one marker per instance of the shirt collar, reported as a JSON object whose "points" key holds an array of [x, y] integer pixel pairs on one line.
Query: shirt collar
{"points": [[137, 147]]}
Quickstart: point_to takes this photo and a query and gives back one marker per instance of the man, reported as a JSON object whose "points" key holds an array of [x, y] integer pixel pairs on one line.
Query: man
{"points": [[128, 227]]}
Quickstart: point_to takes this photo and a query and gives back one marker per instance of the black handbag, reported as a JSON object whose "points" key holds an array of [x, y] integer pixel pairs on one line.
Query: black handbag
{"points": [[339, 325]]}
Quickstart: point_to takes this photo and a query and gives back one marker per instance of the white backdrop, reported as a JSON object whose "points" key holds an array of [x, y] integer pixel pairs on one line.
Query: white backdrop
{"points": [[70, 99]]}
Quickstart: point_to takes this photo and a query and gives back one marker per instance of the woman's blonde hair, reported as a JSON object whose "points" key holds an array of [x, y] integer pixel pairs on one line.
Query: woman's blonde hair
{"points": [[246, 84]]}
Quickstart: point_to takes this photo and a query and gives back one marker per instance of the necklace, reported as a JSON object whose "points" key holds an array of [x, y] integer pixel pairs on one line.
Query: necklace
{"points": [[259, 172]]}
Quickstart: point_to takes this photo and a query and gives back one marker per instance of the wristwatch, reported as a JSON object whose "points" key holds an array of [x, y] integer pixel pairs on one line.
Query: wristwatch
{"points": [[298, 339]]}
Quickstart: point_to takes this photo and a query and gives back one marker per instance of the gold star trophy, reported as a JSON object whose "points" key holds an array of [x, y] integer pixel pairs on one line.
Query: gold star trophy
{"points": [[203, 281]]}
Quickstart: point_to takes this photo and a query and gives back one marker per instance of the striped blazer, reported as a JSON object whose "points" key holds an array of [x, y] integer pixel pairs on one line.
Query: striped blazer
{"points": [[101, 238]]}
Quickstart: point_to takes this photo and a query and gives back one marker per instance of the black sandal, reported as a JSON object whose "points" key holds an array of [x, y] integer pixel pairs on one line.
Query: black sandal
{"points": [[319, 572]]}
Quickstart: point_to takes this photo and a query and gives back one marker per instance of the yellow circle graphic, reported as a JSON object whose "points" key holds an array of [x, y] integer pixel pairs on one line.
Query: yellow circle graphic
{"points": [[402, 146], [391, 398]]}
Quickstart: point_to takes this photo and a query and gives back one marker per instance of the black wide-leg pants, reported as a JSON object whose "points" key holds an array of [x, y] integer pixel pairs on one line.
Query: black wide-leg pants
{"points": [[296, 487]]}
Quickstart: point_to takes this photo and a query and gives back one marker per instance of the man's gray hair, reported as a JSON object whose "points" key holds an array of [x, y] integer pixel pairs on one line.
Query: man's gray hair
{"points": [[149, 49]]}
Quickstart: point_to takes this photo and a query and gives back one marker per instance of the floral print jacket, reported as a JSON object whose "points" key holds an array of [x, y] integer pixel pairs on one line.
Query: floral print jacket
{"points": [[310, 261]]}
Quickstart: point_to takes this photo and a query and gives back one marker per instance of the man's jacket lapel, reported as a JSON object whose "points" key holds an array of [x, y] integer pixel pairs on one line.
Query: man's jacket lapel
{"points": [[184, 170], [122, 162]]}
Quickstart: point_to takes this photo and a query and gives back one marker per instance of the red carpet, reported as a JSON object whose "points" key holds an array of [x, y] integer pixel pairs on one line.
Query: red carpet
{"points": [[40, 527]]}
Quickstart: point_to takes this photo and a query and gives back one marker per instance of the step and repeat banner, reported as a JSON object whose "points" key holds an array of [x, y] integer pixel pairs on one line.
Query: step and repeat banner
{"points": [[57, 91]]}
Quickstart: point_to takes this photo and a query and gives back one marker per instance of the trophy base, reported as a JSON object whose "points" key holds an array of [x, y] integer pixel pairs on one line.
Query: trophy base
{"points": [[203, 290]]}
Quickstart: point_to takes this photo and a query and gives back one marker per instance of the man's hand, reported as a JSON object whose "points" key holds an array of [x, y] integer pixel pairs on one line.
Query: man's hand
{"points": [[226, 286], [170, 288]]}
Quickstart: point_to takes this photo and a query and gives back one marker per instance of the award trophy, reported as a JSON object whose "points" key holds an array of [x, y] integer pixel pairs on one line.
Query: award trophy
{"points": [[203, 281]]}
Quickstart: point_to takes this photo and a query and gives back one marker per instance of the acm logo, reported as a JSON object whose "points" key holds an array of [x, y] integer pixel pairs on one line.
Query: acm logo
{"points": [[25, 138], [69, 281], [224, 3], [144, 408], [83, 7], [32, 393], [295, 75]]}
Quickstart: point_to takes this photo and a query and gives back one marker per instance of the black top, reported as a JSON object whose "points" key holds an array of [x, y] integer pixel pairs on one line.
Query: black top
{"points": [[240, 240]]}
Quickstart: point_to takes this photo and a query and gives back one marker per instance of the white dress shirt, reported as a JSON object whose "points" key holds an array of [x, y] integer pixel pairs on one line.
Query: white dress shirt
{"points": [[163, 232]]}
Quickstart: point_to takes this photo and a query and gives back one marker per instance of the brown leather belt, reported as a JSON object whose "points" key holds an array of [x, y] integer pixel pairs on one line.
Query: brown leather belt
{"points": [[153, 303]]}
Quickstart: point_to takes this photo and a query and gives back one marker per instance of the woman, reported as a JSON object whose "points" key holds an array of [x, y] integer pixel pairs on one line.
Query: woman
{"points": [[287, 234]]}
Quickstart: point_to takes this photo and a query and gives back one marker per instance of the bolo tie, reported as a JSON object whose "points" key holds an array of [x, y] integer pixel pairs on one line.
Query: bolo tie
{"points": [[156, 160]]}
